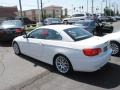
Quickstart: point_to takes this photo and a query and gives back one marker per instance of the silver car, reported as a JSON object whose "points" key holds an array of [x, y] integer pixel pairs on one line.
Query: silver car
{"points": [[52, 21]]}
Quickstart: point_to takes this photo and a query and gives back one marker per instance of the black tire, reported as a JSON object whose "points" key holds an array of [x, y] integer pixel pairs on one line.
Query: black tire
{"points": [[16, 48], [94, 32], [65, 22], [66, 66], [115, 48]]}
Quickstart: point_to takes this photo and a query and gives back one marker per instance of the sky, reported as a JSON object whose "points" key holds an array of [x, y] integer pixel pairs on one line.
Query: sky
{"points": [[70, 4]]}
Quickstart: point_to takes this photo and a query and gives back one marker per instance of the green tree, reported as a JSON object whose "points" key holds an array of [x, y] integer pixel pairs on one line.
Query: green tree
{"points": [[108, 12]]}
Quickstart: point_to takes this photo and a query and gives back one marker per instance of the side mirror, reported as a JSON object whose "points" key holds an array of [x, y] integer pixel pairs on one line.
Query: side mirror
{"points": [[25, 36]]}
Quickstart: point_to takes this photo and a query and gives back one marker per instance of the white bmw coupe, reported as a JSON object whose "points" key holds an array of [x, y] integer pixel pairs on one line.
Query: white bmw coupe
{"points": [[67, 47]]}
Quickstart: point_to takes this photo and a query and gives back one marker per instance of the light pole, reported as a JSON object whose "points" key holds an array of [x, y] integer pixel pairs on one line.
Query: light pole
{"points": [[117, 9], [106, 8], [41, 11], [92, 8], [101, 6], [110, 7], [115, 6], [106, 3], [87, 6], [21, 14], [38, 10]]}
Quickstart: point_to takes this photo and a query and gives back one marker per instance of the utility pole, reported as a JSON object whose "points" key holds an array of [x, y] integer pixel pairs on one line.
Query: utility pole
{"points": [[114, 10], [41, 11], [106, 8], [92, 8], [117, 9], [87, 6], [106, 3], [38, 10], [101, 7], [21, 14], [110, 7], [72, 9]]}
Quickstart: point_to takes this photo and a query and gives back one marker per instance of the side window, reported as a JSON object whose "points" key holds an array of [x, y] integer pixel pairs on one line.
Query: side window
{"points": [[53, 35], [35, 34], [45, 34]]}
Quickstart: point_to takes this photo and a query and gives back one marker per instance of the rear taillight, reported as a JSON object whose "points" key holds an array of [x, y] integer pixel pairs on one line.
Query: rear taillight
{"points": [[19, 30], [92, 52]]}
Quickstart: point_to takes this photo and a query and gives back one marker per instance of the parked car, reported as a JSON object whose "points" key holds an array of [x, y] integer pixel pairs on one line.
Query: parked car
{"points": [[26, 21], [107, 19], [114, 39], [96, 28], [67, 47], [10, 29], [103, 28], [117, 17], [52, 21], [76, 17], [89, 25], [111, 19], [102, 18]]}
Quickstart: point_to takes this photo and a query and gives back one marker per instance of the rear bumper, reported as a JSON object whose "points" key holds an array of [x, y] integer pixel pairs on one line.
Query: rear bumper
{"points": [[91, 64]]}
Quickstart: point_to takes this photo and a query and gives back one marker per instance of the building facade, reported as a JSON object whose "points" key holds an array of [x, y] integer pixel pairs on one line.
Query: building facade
{"points": [[8, 12], [31, 14], [50, 11]]}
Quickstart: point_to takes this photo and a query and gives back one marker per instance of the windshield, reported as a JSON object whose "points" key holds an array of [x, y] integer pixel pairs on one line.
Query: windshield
{"points": [[78, 34], [12, 22]]}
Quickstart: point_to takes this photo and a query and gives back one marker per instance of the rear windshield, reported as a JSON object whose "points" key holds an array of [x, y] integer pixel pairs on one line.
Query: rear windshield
{"points": [[78, 34]]}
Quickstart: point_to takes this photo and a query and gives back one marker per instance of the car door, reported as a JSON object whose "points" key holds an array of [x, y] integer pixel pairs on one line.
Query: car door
{"points": [[41, 44], [35, 45], [50, 45]]}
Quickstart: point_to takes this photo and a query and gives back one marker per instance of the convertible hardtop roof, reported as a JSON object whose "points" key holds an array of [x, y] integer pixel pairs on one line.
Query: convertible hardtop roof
{"points": [[58, 27]]}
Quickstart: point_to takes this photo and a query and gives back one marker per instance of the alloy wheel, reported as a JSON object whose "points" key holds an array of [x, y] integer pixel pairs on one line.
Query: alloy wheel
{"points": [[16, 48], [115, 48], [62, 64]]}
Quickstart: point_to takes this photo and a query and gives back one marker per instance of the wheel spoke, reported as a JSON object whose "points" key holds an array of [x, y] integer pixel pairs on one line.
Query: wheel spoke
{"points": [[115, 48], [16, 48], [62, 64]]}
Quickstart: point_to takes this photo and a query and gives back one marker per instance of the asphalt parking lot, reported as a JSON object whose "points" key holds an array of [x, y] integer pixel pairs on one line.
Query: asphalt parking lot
{"points": [[25, 73]]}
